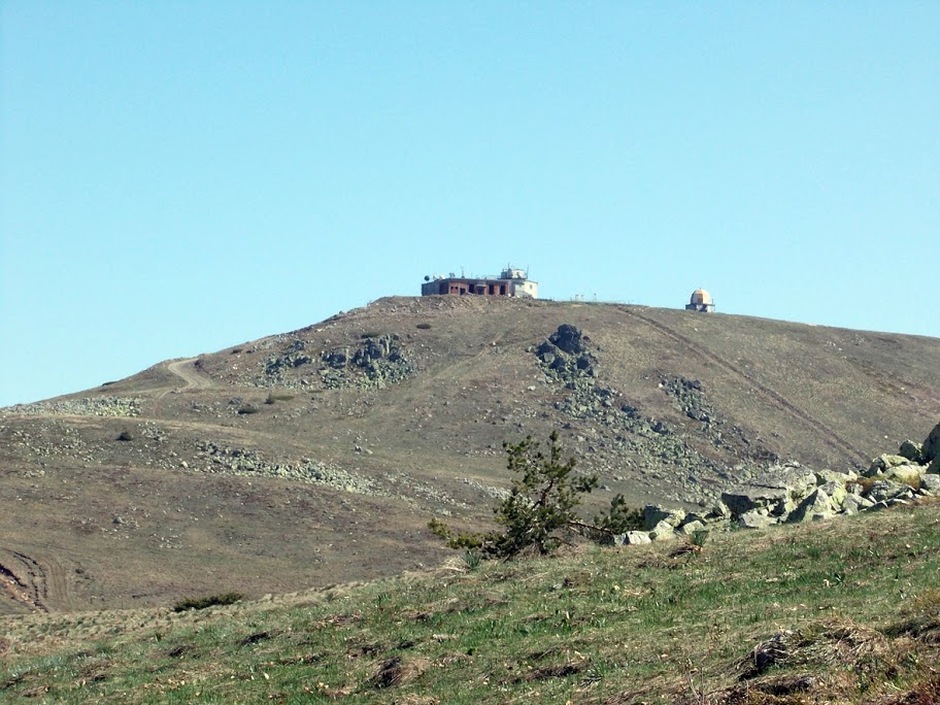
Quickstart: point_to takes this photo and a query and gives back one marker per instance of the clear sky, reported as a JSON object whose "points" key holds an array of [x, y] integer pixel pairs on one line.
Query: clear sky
{"points": [[178, 177]]}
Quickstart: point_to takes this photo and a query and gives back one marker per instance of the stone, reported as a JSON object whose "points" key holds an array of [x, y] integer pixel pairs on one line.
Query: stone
{"points": [[718, 512], [637, 538], [745, 498], [905, 474], [934, 467], [884, 490], [568, 339], [815, 507], [662, 531], [884, 462], [654, 514], [931, 447], [912, 451], [826, 476], [755, 519], [836, 491], [930, 483], [691, 527], [855, 503]]}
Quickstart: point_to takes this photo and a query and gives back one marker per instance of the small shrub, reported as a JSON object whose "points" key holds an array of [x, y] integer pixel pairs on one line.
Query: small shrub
{"points": [[125, 435], [620, 518], [201, 603], [698, 537], [247, 409], [542, 502], [272, 397], [423, 326], [472, 558]]}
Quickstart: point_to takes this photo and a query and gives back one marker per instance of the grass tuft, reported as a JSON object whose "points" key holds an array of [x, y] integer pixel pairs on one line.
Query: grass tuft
{"points": [[201, 603]]}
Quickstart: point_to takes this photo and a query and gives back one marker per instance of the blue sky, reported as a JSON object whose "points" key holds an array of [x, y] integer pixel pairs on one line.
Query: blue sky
{"points": [[177, 177]]}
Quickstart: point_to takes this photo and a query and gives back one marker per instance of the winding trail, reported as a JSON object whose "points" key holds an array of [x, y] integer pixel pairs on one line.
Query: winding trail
{"points": [[193, 380], [186, 371], [830, 437]]}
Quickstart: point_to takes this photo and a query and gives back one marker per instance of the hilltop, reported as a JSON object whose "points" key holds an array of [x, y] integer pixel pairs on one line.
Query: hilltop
{"points": [[317, 457]]}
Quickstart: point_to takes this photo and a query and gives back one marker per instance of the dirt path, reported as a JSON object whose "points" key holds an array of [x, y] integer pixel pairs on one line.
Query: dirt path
{"points": [[830, 437], [192, 378], [186, 371], [26, 581]]}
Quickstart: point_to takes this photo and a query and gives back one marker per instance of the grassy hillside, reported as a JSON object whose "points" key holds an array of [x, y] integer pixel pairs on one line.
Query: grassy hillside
{"points": [[846, 611], [317, 456]]}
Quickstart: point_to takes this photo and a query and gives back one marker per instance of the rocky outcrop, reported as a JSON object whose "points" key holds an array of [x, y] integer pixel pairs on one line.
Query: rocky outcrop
{"points": [[572, 365], [377, 361], [565, 354], [791, 493], [930, 450]]}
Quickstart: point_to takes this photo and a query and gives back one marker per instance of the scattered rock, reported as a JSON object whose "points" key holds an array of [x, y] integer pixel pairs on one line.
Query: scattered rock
{"points": [[92, 406], [912, 451]]}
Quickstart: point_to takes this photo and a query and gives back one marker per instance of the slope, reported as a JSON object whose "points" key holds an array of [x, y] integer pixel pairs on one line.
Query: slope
{"points": [[317, 456]]}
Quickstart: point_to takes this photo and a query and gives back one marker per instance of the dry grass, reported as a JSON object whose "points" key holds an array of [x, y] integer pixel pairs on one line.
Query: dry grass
{"points": [[126, 524], [751, 618]]}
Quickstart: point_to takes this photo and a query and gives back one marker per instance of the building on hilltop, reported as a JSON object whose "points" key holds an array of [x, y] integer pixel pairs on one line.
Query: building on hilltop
{"points": [[510, 282], [701, 301]]}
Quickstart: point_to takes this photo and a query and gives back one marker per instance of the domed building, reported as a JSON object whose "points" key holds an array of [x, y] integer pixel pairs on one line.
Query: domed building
{"points": [[701, 301]]}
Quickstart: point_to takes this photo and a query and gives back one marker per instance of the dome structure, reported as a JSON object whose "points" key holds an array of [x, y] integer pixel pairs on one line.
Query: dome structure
{"points": [[702, 301], [700, 296]]}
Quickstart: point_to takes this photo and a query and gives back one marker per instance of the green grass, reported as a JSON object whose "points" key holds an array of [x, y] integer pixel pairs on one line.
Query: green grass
{"points": [[594, 625]]}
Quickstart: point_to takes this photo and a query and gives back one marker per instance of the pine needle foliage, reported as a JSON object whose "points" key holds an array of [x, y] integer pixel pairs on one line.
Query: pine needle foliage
{"points": [[545, 494]]}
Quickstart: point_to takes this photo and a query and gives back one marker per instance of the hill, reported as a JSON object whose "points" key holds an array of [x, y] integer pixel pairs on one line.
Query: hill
{"points": [[316, 457], [843, 611]]}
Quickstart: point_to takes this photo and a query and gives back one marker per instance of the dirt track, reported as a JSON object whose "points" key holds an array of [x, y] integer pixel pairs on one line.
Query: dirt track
{"points": [[829, 436], [186, 371], [31, 583]]}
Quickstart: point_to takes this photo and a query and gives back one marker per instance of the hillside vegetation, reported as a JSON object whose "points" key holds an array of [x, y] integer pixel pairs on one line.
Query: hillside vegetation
{"points": [[317, 457], [846, 611]]}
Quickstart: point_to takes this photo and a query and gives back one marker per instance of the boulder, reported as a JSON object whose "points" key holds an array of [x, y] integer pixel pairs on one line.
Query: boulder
{"points": [[746, 498], [836, 491], [930, 483], [663, 531], [853, 504], [654, 514], [568, 339], [884, 462], [691, 527], [755, 519], [912, 451], [719, 512], [905, 474], [931, 447], [815, 507], [885, 490], [826, 476], [637, 538]]}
